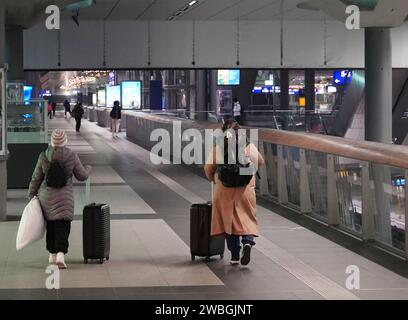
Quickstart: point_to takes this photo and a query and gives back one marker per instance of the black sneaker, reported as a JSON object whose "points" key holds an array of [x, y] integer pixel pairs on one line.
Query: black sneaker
{"points": [[246, 256], [234, 259]]}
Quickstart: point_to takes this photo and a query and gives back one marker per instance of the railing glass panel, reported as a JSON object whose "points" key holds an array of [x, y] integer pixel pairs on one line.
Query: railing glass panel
{"points": [[317, 175], [388, 204]]}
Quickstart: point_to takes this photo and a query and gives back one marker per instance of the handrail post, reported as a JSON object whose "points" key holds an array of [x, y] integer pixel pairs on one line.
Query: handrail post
{"points": [[333, 215], [305, 201], [282, 185], [366, 204]]}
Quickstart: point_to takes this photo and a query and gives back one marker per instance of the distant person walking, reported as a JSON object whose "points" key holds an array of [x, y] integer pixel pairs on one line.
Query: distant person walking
{"points": [[116, 115], [50, 109], [52, 183], [67, 108], [234, 205], [54, 108], [77, 113], [237, 111]]}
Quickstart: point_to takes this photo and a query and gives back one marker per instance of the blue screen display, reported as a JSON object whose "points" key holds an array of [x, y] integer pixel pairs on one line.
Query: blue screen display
{"points": [[229, 77], [28, 93], [342, 77]]}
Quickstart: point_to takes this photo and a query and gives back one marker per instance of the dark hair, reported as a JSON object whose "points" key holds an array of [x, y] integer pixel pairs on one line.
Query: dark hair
{"points": [[235, 99], [227, 124], [116, 103]]}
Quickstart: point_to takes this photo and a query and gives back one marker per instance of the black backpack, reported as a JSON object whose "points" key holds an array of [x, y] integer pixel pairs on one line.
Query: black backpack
{"points": [[229, 174], [55, 176]]}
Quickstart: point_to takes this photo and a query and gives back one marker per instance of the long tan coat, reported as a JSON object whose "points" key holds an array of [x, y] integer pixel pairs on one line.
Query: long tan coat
{"points": [[234, 209]]}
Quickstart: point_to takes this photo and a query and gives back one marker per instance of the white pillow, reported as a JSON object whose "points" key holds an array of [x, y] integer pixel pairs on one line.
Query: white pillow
{"points": [[32, 224]]}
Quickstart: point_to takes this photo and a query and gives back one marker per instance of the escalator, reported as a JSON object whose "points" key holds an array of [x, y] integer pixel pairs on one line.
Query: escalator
{"points": [[400, 106], [352, 97]]}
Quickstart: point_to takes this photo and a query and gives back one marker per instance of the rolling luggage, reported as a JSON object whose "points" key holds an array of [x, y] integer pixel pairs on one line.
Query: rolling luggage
{"points": [[202, 244], [96, 231]]}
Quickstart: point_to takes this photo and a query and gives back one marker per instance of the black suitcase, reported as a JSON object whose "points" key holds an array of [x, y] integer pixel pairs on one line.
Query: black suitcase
{"points": [[202, 244], [96, 232]]}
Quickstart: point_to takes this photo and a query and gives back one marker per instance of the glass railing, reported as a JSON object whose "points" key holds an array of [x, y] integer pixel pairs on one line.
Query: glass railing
{"points": [[362, 196], [27, 122]]}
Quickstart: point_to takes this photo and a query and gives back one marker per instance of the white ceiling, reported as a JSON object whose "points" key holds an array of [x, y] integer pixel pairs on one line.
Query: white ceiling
{"points": [[22, 10]]}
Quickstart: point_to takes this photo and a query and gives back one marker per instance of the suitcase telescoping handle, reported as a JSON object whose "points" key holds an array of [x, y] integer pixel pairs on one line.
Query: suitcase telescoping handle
{"points": [[212, 191], [88, 191]]}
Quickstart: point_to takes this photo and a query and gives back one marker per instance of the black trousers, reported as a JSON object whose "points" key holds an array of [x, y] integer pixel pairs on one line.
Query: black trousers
{"points": [[57, 236], [78, 123]]}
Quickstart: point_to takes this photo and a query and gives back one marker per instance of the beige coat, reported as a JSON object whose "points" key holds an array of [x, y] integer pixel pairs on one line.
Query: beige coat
{"points": [[234, 209]]}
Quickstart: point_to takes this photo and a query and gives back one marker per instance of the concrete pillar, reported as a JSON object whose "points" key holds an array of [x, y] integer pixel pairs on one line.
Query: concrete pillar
{"points": [[213, 90], [378, 75], [378, 116], [14, 53], [310, 98], [3, 158], [201, 85], [310, 89], [284, 89]]}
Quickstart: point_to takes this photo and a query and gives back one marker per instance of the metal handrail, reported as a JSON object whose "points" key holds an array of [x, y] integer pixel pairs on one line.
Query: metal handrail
{"points": [[380, 153]]}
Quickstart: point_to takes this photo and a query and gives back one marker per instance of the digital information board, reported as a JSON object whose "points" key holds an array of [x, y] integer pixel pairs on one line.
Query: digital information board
{"points": [[131, 94]]}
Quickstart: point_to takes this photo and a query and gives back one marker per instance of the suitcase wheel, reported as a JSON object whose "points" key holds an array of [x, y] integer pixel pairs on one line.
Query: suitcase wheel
{"points": [[207, 259], [100, 261], [192, 257], [86, 261], [107, 258], [221, 256]]}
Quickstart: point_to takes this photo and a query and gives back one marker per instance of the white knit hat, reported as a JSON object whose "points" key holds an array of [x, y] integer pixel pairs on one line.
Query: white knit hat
{"points": [[58, 138]]}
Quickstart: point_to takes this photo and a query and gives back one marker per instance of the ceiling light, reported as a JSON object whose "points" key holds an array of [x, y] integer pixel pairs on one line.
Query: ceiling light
{"points": [[192, 3]]}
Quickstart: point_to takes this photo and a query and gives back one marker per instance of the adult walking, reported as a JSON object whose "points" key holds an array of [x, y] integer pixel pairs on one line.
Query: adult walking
{"points": [[77, 113], [234, 208], [237, 111], [52, 183], [116, 115], [67, 107]]}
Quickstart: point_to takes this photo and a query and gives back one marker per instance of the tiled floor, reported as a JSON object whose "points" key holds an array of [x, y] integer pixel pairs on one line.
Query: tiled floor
{"points": [[150, 256]]}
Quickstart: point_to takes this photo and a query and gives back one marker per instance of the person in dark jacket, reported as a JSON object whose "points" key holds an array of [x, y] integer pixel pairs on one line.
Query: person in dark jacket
{"points": [[54, 108], [57, 203], [67, 108], [116, 115], [77, 113]]}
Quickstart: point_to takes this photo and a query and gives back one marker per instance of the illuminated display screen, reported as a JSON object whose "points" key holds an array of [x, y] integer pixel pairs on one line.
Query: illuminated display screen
{"points": [[112, 94], [132, 94], [101, 97], [229, 77], [28, 93]]}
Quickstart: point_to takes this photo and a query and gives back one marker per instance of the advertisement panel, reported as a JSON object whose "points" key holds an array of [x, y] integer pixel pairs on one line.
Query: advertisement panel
{"points": [[132, 94]]}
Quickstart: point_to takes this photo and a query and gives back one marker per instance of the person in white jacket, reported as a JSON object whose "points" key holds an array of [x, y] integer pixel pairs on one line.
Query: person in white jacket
{"points": [[237, 111]]}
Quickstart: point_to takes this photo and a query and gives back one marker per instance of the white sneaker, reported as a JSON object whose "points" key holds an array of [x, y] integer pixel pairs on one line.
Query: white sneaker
{"points": [[52, 258], [61, 261]]}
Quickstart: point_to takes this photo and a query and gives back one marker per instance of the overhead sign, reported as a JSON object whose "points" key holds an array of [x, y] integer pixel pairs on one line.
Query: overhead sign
{"points": [[342, 77]]}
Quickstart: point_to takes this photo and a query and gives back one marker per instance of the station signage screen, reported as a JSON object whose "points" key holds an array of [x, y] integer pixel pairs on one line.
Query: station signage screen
{"points": [[131, 94], [101, 97], [229, 77], [112, 94]]}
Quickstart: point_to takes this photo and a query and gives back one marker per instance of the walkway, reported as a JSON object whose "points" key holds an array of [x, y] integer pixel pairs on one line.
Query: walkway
{"points": [[150, 257]]}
